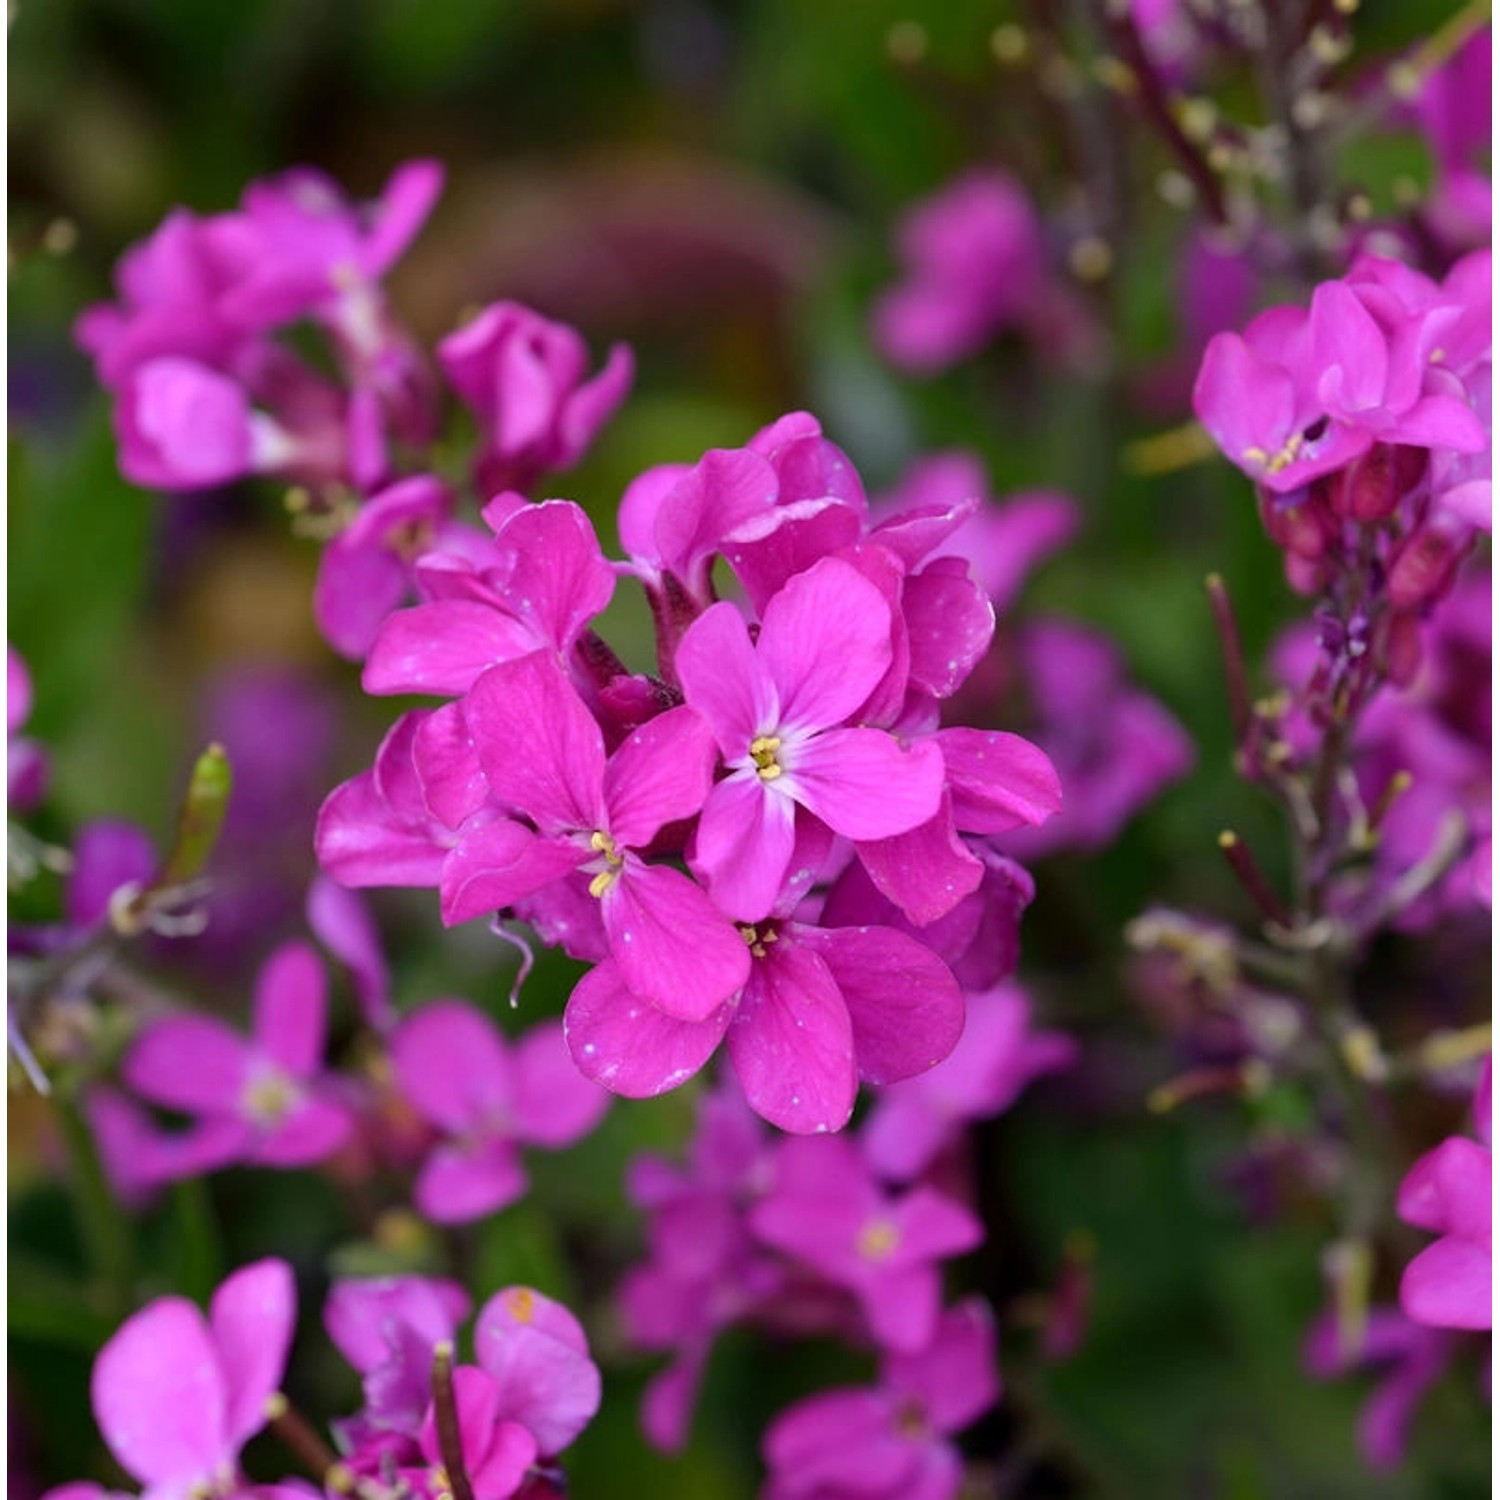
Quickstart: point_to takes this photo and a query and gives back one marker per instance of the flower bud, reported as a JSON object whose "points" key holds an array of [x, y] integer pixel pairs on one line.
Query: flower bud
{"points": [[1422, 569]]}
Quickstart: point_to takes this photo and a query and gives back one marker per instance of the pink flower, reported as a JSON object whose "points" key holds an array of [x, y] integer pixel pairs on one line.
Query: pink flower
{"points": [[536, 1352], [487, 1097], [821, 1009], [377, 828], [973, 267], [1448, 1285], [1407, 1358], [366, 571], [342, 923], [891, 1441], [826, 1210], [523, 378], [592, 814], [176, 1395], [262, 1096], [996, 1057], [387, 1328], [497, 1451], [779, 709], [1305, 392], [537, 587]]}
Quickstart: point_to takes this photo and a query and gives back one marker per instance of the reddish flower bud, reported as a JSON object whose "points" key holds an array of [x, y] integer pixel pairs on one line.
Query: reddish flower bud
{"points": [[1422, 568], [1402, 651]]}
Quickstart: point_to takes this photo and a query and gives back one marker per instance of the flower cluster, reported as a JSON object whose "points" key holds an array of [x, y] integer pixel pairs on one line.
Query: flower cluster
{"points": [[840, 1236], [177, 1395], [1364, 421], [774, 840]]}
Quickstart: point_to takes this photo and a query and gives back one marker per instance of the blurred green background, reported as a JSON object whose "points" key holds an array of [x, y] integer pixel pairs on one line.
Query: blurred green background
{"points": [[714, 182]]}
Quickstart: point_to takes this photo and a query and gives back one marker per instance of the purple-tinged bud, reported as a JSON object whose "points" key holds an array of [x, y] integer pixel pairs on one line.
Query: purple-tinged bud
{"points": [[1402, 654], [1372, 488], [1423, 568]]}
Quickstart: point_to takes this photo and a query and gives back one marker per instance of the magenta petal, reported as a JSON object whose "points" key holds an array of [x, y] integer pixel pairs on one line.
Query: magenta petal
{"points": [[555, 1104], [949, 625], [998, 781], [458, 1183], [359, 584], [956, 1377], [313, 1130], [904, 1005], [669, 1398], [360, 842], [672, 944], [926, 871], [826, 642], [291, 1009], [743, 848], [252, 1317], [724, 679], [106, 855], [1449, 1285], [934, 1227], [841, 1442], [792, 1044], [547, 1384], [538, 744], [342, 923], [561, 580], [454, 785], [629, 1046], [717, 495], [405, 202], [159, 1399], [776, 545], [594, 402], [661, 773], [189, 1063], [498, 864], [863, 785], [452, 1066], [442, 647], [902, 1306]]}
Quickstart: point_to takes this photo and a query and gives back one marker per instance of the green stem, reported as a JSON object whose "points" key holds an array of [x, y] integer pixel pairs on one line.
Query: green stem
{"points": [[103, 1226]]}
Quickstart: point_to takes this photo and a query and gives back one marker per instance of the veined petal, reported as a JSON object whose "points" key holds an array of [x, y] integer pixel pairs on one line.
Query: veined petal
{"points": [[904, 1004], [629, 1046], [792, 1044], [442, 647], [561, 580], [998, 781], [725, 680], [672, 944], [744, 844], [863, 784], [661, 773], [539, 746], [498, 864], [826, 642]]}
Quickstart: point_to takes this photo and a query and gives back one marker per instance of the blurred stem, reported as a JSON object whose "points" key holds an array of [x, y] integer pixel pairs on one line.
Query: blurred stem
{"points": [[201, 1254], [102, 1223]]}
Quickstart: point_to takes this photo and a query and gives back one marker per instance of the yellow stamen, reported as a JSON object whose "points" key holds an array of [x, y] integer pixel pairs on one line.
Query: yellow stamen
{"points": [[521, 1303], [614, 862], [878, 1239], [763, 752]]}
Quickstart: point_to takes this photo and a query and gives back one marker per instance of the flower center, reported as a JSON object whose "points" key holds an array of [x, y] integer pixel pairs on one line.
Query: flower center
{"points": [[757, 938], [269, 1096], [911, 1421], [607, 868], [763, 752], [878, 1240], [1274, 463]]}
